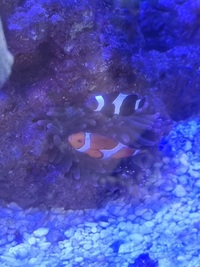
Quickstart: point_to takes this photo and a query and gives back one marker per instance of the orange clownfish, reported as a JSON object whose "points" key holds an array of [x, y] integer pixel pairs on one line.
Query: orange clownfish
{"points": [[99, 146]]}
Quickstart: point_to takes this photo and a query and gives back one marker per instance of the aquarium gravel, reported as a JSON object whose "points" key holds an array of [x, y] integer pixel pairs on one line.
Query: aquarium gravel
{"points": [[161, 231]]}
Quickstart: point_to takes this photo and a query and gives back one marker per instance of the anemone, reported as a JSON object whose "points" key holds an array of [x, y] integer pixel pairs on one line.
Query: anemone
{"points": [[140, 130]]}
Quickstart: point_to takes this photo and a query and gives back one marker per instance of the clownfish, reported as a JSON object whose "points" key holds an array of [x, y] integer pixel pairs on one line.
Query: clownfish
{"points": [[99, 146], [117, 104]]}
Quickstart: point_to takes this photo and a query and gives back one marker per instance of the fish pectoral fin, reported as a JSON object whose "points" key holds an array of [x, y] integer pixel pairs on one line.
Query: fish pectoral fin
{"points": [[94, 153]]}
